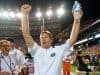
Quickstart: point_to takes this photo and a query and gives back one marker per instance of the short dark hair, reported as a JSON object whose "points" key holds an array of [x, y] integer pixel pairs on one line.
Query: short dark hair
{"points": [[11, 40], [28, 55]]}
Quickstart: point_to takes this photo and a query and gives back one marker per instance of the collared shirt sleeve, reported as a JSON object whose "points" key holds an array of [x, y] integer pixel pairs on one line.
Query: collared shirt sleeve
{"points": [[67, 53], [34, 49], [66, 48]]}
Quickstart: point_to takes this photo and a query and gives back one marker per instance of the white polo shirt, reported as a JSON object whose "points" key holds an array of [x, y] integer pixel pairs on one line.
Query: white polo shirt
{"points": [[48, 61], [18, 55], [6, 62]]}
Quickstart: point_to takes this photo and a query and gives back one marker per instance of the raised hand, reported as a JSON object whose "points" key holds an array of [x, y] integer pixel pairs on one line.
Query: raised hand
{"points": [[78, 14], [26, 8]]}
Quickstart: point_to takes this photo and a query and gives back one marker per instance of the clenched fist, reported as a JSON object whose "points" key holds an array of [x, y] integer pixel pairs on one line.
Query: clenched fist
{"points": [[26, 8]]}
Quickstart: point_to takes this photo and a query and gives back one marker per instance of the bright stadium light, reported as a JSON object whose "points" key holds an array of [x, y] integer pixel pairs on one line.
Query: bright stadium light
{"points": [[5, 14], [38, 14], [60, 11], [19, 15], [49, 13], [12, 14], [0, 14]]}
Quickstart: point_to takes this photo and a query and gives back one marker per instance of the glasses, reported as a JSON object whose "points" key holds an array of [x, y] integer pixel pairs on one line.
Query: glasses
{"points": [[5, 46]]}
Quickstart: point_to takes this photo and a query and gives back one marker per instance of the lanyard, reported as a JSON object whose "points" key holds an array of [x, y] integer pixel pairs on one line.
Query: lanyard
{"points": [[0, 62], [9, 66]]}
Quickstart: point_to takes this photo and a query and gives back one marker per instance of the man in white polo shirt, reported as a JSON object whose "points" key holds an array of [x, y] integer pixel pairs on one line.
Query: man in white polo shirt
{"points": [[47, 59]]}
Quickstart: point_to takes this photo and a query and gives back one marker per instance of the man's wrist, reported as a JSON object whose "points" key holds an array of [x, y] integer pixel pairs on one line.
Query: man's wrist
{"points": [[25, 15], [76, 20]]}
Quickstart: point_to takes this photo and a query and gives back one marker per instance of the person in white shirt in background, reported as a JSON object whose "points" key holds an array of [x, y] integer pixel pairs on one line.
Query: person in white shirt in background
{"points": [[29, 63], [19, 55], [7, 62], [47, 59]]}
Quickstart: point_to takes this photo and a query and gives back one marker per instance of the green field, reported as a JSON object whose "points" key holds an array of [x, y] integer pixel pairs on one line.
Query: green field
{"points": [[74, 69]]}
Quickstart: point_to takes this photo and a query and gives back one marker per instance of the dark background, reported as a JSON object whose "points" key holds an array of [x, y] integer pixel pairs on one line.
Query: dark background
{"points": [[91, 10]]}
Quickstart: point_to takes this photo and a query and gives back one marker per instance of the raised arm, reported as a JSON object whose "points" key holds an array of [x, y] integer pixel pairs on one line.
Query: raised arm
{"points": [[76, 26], [25, 10]]}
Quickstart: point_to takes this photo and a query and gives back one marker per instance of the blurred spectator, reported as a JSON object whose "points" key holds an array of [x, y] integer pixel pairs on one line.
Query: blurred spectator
{"points": [[82, 64], [28, 66], [17, 53], [23, 49], [8, 63]]}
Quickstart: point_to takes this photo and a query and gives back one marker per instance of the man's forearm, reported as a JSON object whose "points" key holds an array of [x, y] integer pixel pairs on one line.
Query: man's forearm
{"points": [[25, 24], [75, 31]]}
